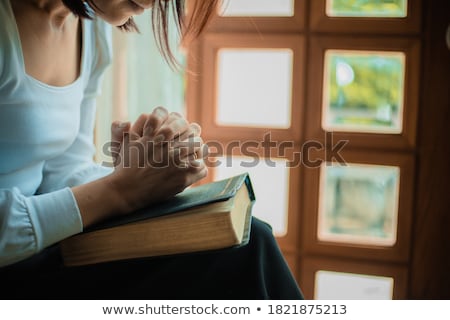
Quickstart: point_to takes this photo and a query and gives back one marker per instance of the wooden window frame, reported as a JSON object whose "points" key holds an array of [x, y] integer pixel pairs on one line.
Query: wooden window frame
{"points": [[292, 260], [320, 22], [400, 251], [406, 140], [319, 33], [310, 265], [261, 24], [289, 242], [215, 42]]}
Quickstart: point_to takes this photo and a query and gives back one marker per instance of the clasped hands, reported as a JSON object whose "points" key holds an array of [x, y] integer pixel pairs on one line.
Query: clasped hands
{"points": [[156, 157]]}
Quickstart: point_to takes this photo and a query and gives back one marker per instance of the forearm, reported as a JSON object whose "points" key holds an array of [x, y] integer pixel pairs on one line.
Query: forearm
{"points": [[99, 200]]}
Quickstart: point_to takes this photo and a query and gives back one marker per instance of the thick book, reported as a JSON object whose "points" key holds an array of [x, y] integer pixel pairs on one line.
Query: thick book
{"points": [[211, 216]]}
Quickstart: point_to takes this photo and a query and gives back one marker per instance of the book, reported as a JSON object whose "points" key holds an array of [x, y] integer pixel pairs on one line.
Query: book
{"points": [[211, 216]]}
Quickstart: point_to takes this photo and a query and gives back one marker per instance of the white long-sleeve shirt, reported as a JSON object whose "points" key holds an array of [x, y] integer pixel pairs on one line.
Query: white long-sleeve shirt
{"points": [[46, 142]]}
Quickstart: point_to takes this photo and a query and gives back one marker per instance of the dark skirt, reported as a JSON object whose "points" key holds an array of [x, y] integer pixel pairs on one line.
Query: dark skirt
{"points": [[255, 271]]}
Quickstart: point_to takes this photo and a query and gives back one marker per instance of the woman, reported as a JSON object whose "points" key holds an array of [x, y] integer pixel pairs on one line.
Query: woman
{"points": [[52, 57]]}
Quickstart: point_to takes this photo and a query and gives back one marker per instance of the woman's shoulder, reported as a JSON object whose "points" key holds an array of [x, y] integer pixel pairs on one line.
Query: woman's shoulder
{"points": [[100, 42], [10, 45], [99, 51], [8, 23], [101, 39]]}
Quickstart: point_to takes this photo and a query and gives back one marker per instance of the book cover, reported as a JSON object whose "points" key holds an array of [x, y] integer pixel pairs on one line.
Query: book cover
{"points": [[208, 217], [192, 197]]}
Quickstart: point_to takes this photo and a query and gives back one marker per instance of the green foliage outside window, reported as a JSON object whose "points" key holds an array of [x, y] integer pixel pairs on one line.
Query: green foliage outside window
{"points": [[365, 89], [368, 8]]}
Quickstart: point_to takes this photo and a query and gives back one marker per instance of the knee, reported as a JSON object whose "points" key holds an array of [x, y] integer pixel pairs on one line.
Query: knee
{"points": [[261, 232]]}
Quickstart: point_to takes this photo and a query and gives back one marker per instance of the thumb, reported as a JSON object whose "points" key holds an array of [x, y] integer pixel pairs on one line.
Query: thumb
{"points": [[118, 129]]}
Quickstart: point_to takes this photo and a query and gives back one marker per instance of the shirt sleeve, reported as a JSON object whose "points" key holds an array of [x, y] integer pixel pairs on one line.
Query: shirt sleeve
{"points": [[30, 224]]}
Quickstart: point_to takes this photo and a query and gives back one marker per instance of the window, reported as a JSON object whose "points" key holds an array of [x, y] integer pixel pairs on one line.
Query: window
{"points": [[272, 204], [251, 83], [335, 84], [342, 286], [358, 204], [363, 91], [375, 9], [257, 8]]}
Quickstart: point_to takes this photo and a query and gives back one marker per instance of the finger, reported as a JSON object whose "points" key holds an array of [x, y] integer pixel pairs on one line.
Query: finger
{"points": [[180, 121], [200, 152], [118, 129], [174, 126], [190, 163], [193, 130], [198, 158], [154, 121], [195, 164], [138, 126], [192, 147], [198, 173]]}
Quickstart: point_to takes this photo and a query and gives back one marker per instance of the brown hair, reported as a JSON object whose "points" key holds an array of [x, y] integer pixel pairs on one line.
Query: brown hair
{"points": [[201, 11]]}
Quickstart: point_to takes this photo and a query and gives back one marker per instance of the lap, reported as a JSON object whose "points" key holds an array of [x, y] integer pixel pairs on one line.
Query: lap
{"points": [[255, 271]]}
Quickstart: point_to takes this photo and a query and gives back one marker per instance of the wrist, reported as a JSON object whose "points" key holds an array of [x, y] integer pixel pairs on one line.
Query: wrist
{"points": [[118, 193], [99, 200]]}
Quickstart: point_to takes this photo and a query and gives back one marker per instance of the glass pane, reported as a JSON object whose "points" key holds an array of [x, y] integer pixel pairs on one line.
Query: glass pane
{"points": [[254, 87], [347, 286], [257, 8], [363, 91], [367, 8], [359, 204], [271, 184]]}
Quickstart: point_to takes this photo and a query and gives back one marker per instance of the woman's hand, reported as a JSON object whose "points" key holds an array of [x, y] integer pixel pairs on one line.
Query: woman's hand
{"points": [[155, 158], [159, 157], [156, 119]]}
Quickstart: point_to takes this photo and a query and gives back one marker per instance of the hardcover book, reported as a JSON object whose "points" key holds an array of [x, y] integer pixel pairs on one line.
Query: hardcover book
{"points": [[211, 216]]}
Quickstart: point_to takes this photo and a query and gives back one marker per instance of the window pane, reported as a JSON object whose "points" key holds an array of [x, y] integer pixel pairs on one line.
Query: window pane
{"points": [[358, 204], [363, 91], [255, 8], [347, 286], [254, 87], [367, 8], [271, 184]]}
